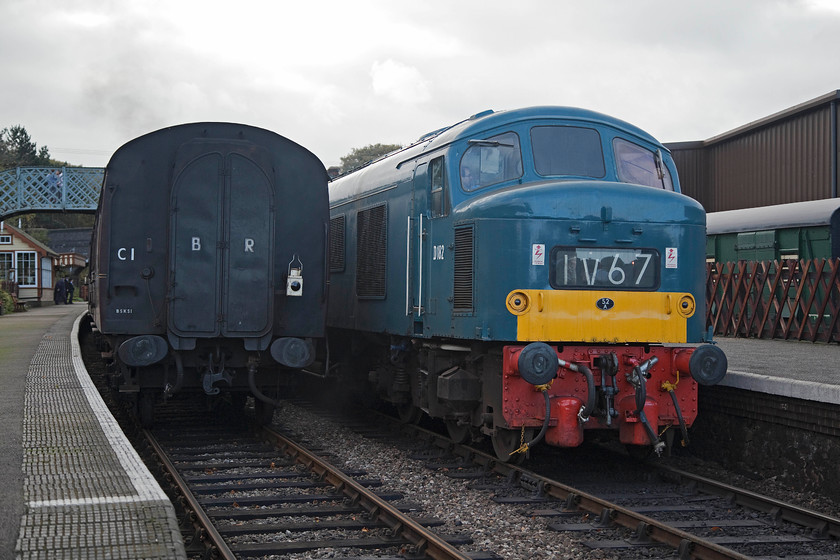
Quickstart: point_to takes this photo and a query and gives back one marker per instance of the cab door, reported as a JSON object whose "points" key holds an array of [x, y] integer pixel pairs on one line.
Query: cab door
{"points": [[430, 203]]}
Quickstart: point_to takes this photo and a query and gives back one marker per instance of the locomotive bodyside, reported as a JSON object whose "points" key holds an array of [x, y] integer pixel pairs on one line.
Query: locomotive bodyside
{"points": [[523, 271], [203, 237]]}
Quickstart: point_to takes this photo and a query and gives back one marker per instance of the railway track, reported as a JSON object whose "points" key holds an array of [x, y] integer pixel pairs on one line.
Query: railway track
{"points": [[637, 510], [252, 494]]}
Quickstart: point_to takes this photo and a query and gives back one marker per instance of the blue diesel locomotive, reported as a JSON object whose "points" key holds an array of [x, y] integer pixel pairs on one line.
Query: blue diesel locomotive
{"points": [[204, 235], [527, 275]]}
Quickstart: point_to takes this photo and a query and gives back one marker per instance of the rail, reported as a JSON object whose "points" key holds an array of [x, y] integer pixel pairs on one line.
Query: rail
{"points": [[426, 542], [787, 299], [687, 545]]}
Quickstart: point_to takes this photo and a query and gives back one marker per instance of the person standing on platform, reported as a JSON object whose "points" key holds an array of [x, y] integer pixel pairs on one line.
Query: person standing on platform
{"points": [[60, 291], [70, 289]]}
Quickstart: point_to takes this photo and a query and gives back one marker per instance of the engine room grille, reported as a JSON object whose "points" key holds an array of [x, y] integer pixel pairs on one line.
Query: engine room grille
{"points": [[463, 287], [371, 252], [337, 244]]}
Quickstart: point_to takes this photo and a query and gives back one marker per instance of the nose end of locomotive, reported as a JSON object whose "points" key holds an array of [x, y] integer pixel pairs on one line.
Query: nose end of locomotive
{"points": [[141, 351], [707, 365]]}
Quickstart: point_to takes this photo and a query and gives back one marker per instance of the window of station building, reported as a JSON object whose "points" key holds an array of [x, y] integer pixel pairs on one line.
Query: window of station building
{"points": [[5, 239], [641, 166], [6, 268], [439, 198], [27, 269], [490, 161], [568, 150]]}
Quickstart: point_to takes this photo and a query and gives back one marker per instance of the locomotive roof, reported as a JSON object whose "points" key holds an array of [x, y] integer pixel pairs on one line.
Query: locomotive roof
{"points": [[490, 119], [779, 216], [485, 121], [390, 170]]}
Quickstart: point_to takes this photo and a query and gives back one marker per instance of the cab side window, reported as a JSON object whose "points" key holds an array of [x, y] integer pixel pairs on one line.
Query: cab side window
{"points": [[439, 198], [490, 161], [641, 166]]}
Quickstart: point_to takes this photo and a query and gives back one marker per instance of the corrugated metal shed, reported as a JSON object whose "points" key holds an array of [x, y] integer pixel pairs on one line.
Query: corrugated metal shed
{"points": [[790, 156]]}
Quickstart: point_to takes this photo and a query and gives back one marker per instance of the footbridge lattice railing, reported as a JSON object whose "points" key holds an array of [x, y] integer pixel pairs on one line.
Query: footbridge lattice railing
{"points": [[68, 189]]}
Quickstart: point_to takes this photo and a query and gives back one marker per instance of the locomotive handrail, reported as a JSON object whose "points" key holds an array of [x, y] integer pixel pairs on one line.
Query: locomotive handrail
{"points": [[408, 267], [32, 189], [419, 307]]}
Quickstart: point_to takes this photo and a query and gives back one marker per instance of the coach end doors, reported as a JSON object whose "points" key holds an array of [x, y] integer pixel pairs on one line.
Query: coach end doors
{"points": [[222, 229]]}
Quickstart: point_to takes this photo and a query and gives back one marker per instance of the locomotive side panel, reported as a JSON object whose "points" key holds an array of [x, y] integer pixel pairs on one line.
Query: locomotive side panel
{"points": [[369, 276]]}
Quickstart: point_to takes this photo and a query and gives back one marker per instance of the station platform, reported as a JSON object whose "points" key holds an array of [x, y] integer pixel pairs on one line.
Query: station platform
{"points": [[73, 485], [802, 370]]}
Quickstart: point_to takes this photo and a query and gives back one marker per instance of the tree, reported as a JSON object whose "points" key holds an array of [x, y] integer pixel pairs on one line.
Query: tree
{"points": [[18, 150], [360, 156]]}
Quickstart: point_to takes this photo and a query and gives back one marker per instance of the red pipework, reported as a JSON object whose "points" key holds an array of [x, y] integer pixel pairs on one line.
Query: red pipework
{"points": [[682, 358], [524, 406]]}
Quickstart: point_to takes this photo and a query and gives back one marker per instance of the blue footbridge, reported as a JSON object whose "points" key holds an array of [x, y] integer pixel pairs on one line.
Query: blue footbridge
{"points": [[49, 189]]}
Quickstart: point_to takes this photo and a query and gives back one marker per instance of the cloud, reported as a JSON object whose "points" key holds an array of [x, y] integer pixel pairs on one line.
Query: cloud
{"points": [[334, 75], [326, 105], [399, 82]]}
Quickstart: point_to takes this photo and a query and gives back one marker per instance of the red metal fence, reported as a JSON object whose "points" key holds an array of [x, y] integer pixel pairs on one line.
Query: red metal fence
{"points": [[789, 299]]}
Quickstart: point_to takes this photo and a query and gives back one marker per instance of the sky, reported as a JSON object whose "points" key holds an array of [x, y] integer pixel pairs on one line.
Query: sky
{"points": [[84, 77]]}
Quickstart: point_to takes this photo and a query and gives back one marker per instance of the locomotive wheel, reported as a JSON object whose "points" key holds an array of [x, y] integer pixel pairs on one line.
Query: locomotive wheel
{"points": [[459, 433], [408, 413], [507, 441]]}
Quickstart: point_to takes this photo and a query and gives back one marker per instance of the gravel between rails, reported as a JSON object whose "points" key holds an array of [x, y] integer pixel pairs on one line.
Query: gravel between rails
{"points": [[493, 527]]}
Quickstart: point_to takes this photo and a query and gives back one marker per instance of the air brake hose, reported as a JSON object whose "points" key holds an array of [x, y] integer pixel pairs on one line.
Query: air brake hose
{"points": [[683, 427], [641, 398], [525, 446], [252, 384], [170, 390], [547, 418], [586, 409]]}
